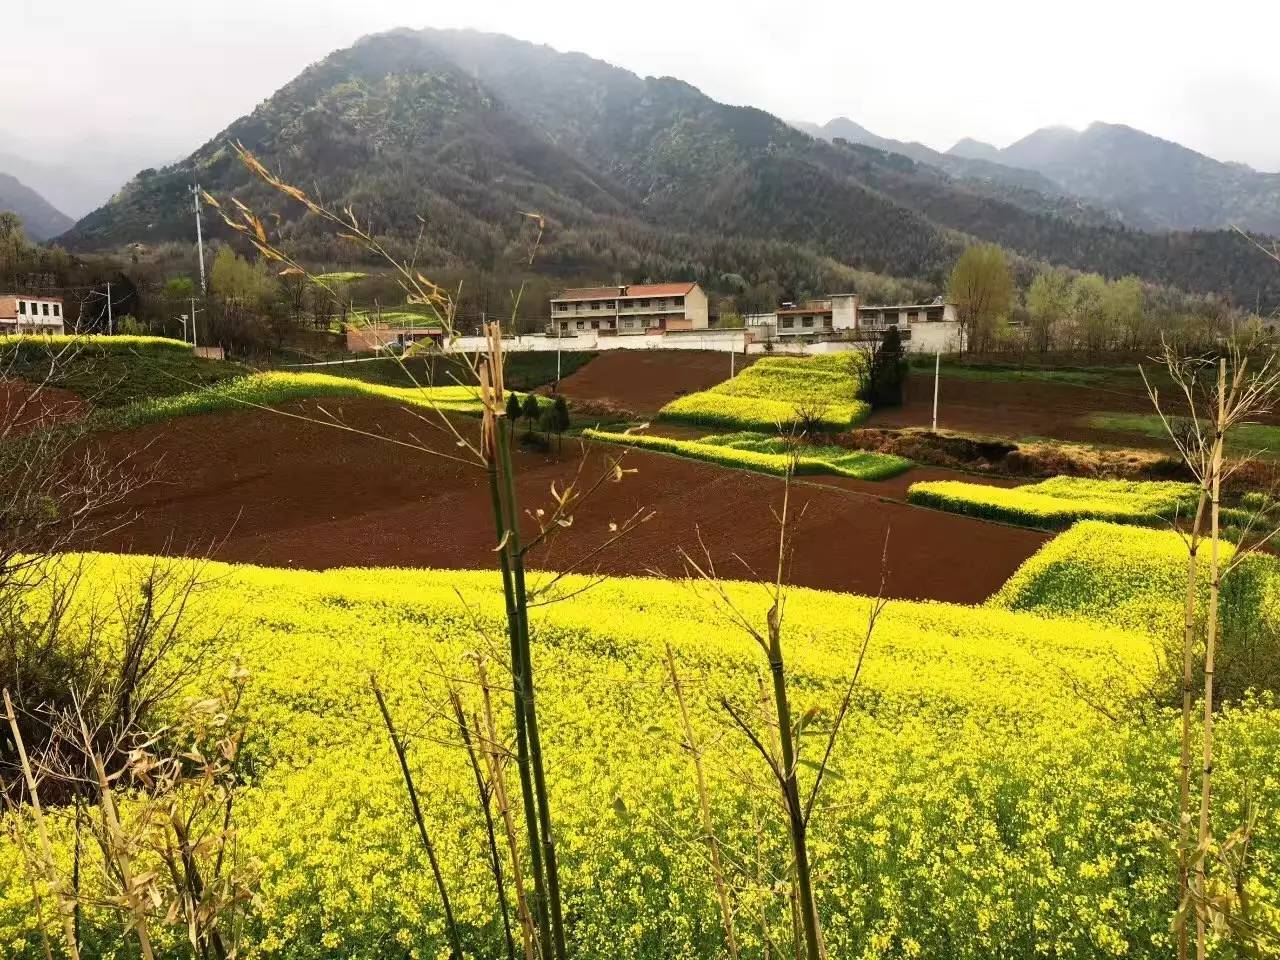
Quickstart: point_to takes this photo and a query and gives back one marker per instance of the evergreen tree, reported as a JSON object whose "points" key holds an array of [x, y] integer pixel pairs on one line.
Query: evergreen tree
{"points": [[531, 411]]}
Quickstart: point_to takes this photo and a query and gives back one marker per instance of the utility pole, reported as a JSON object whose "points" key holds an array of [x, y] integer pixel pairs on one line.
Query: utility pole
{"points": [[110, 320], [937, 371], [195, 194], [193, 325]]}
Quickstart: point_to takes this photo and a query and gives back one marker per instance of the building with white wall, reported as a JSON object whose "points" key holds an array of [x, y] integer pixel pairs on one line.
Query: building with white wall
{"points": [[20, 313], [629, 310]]}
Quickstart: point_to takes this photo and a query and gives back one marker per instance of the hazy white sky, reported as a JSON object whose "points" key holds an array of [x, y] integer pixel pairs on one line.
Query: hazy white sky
{"points": [[155, 78]]}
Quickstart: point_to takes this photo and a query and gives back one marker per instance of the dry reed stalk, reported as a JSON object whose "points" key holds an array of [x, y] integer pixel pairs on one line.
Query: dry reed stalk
{"points": [[1211, 638], [704, 806], [117, 844], [493, 758], [484, 793], [48, 864]]}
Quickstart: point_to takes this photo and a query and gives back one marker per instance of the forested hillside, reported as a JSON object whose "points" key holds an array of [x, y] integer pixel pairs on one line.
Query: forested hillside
{"points": [[637, 177]]}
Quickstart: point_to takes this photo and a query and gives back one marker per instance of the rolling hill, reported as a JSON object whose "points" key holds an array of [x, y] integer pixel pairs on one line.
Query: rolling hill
{"points": [[646, 176], [40, 219]]}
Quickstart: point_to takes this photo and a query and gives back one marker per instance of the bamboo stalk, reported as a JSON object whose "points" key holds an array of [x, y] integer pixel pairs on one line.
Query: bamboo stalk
{"points": [[543, 829], [1211, 637], [451, 927], [494, 761], [704, 806], [46, 847], [495, 860], [496, 441]]}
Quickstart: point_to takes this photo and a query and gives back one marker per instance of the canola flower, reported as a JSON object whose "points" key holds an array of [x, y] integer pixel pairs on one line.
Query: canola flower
{"points": [[765, 454], [978, 806], [39, 346], [766, 395], [275, 388], [1060, 501]]}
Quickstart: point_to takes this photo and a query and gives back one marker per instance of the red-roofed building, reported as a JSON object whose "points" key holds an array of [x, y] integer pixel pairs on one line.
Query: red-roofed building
{"points": [[638, 308]]}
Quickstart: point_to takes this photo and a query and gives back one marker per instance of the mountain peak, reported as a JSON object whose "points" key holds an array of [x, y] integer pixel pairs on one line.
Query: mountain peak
{"points": [[974, 149]]}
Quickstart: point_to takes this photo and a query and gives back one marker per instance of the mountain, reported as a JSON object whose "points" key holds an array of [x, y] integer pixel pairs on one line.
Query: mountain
{"points": [[971, 149], [40, 219], [643, 176], [82, 178], [1148, 182], [976, 170]]}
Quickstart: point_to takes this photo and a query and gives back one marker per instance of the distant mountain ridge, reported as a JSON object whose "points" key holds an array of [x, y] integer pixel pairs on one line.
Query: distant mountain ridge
{"points": [[1144, 180], [646, 176], [40, 219]]}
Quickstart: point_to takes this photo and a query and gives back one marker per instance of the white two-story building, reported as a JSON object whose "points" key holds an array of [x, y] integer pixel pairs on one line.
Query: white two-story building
{"points": [[20, 313], [629, 309]]}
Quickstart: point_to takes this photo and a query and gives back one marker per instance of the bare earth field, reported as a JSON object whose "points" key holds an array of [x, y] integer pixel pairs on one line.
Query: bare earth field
{"points": [[260, 488], [646, 380], [1016, 408]]}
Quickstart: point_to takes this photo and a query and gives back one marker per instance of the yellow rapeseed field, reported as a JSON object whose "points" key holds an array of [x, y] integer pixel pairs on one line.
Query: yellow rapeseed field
{"points": [[982, 806]]}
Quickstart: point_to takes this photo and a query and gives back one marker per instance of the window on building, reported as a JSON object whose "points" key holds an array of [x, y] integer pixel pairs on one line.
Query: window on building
{"points": [[629, 323], [608, 304], [44, 309], [577, 307], [22, 306], [564, 325], [596, 304], [826, 321], [57, 309], [580, 325], [806, 321], [595, 324], [677, 301], [788, 323], [644, 303]]}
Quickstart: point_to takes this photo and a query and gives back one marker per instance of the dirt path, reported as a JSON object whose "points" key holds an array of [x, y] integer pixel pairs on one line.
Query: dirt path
{"points": [[258, 488]]}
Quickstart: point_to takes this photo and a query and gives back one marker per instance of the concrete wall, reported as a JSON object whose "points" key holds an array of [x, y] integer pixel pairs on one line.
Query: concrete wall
{"points": [[844, 311], [696, 309]]}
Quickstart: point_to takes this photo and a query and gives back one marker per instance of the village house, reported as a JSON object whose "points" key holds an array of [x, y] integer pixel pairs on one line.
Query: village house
{"points": [[20, 313], [629, 309]]}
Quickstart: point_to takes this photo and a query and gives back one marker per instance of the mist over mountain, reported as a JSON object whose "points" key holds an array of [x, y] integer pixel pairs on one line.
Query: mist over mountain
{"points": [[646, 176], [40, 219]]}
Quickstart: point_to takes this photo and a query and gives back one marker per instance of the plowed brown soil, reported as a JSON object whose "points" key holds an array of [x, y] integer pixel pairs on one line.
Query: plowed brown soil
{"points": [[647, 380], [260, 488], [1027, 408]]}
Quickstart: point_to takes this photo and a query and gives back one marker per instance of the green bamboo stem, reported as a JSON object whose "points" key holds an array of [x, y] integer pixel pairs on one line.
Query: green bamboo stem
{"points": [[525, 679], [500, 513]]}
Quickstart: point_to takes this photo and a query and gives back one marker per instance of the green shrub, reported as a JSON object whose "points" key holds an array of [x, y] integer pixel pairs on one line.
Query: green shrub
{"points": [[1061, 501], [766, 454]]}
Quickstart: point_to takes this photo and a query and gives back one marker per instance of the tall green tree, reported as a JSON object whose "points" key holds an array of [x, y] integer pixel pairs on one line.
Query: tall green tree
{"points": [[1048, 307], [981, 287], [1123, 307], [1088, 308]]}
